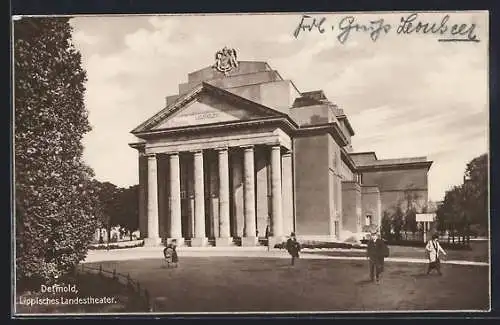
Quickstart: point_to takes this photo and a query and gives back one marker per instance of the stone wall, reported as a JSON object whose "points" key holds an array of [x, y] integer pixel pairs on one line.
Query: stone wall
{"points": [[351, 206], [312, 197]]}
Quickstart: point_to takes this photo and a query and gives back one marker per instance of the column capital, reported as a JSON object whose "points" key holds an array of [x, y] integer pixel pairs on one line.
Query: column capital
{"points": [[248, 147], [197, 151], [151, 155], [222, 148], [276, 147], [287, 153]]}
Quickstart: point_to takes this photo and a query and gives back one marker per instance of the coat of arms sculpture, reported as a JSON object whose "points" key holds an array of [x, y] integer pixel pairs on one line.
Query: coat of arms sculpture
{"points": [[225, 60]]}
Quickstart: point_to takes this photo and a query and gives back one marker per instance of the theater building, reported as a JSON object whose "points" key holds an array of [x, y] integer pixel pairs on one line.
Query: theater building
{"points": [[240, 154]]}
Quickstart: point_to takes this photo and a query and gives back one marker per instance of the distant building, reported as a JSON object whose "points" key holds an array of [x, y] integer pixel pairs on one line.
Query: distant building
{"points": [[240, 149]]}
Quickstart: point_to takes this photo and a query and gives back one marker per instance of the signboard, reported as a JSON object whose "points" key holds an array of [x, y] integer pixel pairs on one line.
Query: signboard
{"points": [[426, 217]]}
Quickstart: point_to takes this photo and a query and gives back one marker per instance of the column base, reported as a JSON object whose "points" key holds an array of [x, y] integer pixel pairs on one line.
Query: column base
{"points": [[224, 241], [249, 241], [199, 241], [152, 241], [273, 240], [180, 241]]}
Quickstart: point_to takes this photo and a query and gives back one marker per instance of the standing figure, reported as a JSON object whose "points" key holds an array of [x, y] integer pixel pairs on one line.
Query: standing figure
{"points": [[293, 247], [170, 254], [433, 249], [376, 251]]}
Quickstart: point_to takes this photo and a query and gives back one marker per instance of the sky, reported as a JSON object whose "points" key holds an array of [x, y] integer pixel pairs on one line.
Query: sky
{"points": [[405, 94]]}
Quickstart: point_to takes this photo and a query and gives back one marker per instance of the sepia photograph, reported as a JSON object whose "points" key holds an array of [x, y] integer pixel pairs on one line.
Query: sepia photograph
{"points": [[289, 163]]}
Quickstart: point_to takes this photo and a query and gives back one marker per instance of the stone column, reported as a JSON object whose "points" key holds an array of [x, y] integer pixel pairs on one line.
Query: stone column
{"points": [[143, 200], [237, 213], [214, 201], [287, 193], [175, 199], [153, 238], [224, 238], [250, 237], [200, 238], [277, 214]]}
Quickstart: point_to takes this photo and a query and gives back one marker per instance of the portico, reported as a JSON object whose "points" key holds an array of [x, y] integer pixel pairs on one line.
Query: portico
{"points": [[210, 179], [212, 192]]}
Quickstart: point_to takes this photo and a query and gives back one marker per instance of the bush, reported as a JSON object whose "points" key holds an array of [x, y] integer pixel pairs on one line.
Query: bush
{"points": [[318, 244], [120, 245], [415, 243]]}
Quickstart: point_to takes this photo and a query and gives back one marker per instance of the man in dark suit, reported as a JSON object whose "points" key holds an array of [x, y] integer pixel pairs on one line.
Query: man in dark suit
{"points": [[376, 251], [293, 247]]}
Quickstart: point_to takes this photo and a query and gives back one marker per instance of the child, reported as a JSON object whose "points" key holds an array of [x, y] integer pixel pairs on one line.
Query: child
{"points": [[293, 247], [433, 248], [170, 254]]}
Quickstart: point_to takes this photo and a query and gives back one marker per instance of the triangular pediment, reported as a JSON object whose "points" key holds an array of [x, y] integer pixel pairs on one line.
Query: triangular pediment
{"points": [[207, 104]]}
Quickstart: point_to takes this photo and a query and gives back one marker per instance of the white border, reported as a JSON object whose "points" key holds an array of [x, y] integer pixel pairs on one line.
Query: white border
{"points": [[12, 196]]}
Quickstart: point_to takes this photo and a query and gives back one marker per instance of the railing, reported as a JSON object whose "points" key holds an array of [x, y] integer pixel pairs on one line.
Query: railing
{"points": [[133, 285]]}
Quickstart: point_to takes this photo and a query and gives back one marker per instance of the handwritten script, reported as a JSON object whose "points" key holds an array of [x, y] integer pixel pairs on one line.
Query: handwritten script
{"points": [[444, 29]]}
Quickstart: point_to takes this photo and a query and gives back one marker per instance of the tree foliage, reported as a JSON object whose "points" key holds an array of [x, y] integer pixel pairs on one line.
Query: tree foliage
{"points": [[476, 190], [397, 221], [118, 206], [55, 199], [128, 216], [467, 203]]}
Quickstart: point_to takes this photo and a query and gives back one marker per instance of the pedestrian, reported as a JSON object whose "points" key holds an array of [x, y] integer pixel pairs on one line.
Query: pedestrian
{"points": [[376, 251], [293, 247], [433, 249], [170, 254]]}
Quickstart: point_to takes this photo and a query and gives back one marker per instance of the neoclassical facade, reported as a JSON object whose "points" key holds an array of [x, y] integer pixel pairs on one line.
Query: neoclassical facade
{"points": [[240, 154]]}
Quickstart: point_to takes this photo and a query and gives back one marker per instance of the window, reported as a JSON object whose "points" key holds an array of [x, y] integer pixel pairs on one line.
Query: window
{"points": [[368, 220]]}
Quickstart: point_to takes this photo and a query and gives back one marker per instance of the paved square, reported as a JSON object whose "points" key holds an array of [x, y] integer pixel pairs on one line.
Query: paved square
{"points": [[253, 284]]}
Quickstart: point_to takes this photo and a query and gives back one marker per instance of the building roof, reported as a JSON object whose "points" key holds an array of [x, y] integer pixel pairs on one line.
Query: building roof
{"points": [[368, 160]]}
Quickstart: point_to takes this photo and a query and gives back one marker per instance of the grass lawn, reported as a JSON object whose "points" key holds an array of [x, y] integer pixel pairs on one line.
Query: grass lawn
{"points": [[224, 284], [477, 253]]}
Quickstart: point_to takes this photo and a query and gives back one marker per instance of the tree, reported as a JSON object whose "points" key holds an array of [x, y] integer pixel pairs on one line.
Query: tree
{"points": [[385, 228], [450, 213], [128, 214], [397, 222], [410, 215], [109, 205], [55, 199], [467, 203], [476, 187], [118, 206]]}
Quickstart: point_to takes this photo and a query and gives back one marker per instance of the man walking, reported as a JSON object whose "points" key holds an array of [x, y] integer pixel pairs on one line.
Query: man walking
{"points": [[293, 247], [377, 250], [433, 249]]}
